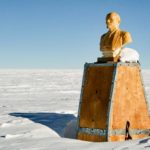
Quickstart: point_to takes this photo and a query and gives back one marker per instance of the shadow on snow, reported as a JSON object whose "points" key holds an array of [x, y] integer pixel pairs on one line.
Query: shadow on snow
{"points": [[55, 121]]}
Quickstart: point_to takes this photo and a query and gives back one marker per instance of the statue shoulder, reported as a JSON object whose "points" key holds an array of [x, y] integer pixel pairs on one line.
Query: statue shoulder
{"points": [[126, 37], [103, 35], [102, 41]]}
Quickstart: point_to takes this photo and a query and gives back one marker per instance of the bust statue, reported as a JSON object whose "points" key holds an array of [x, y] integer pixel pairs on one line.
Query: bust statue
{"points": [[115, 39]]}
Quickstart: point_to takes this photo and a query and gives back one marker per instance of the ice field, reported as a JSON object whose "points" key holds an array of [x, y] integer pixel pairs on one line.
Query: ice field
{"points": [[36, 105]]}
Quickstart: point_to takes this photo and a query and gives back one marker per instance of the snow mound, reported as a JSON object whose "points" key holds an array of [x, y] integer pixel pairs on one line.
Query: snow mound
{"points": [[71, 129], [9, 136], [129, 55], [3, 125]]}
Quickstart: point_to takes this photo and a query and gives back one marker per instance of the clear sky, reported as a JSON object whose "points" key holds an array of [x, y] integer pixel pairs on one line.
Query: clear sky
{"points": [[62, 34]]}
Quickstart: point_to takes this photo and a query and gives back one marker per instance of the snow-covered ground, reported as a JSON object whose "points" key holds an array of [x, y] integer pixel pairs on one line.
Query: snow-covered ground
{"points": [[36, 105]]}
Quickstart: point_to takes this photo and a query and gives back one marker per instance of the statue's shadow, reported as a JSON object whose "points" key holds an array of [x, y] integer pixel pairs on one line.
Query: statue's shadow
{"points": [[55, 121]]}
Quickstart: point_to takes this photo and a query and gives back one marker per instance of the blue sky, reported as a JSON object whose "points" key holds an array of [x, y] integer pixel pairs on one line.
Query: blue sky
{"points": [[63, 34]]}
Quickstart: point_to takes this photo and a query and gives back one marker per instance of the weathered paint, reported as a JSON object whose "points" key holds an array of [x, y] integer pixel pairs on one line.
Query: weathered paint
{"points": [[113, 131], [100, 132]]}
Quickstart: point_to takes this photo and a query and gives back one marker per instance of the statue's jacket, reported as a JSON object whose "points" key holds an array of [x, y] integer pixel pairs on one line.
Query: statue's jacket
{"points": [[111, 41]]}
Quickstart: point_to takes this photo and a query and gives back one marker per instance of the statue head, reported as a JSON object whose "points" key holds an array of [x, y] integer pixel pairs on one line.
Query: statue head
{"points": [[113, 21]]}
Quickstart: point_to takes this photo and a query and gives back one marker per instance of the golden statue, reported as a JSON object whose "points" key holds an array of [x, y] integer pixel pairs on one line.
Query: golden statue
{"points": [[114, 40]]}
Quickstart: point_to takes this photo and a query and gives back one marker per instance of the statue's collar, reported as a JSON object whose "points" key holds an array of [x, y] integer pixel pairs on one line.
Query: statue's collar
{"points": [[111, 32]]}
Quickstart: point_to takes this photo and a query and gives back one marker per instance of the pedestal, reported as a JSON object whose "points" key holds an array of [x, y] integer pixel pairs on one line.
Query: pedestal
{"points": [[113, 105]]}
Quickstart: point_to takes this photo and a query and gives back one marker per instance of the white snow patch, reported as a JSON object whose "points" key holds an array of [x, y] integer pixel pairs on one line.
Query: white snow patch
{"points": [[9, 136], [3, 125], [129, 55], [70, 92], [34, 113]]}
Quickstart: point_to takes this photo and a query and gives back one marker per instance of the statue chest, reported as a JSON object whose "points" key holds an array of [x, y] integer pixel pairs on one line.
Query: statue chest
{"points": [[111, 41]]}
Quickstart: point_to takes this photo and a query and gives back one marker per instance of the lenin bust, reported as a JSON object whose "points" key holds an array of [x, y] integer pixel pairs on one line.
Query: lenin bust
{"points": [[114, 40]]}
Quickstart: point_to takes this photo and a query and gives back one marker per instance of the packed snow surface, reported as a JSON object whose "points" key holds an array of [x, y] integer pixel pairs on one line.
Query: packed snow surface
{"points": [[37, 105]]}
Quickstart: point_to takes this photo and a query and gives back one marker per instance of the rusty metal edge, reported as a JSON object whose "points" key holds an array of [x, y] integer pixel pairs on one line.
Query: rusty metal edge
{"points": [[145, 96], [114, 63], [103, 132], [91, 131], [111, 98], [131, 64], [86, 66], [132, 132]]}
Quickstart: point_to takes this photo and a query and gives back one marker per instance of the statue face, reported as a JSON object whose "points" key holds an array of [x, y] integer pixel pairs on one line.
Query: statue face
{"points": [[112, 22]]}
